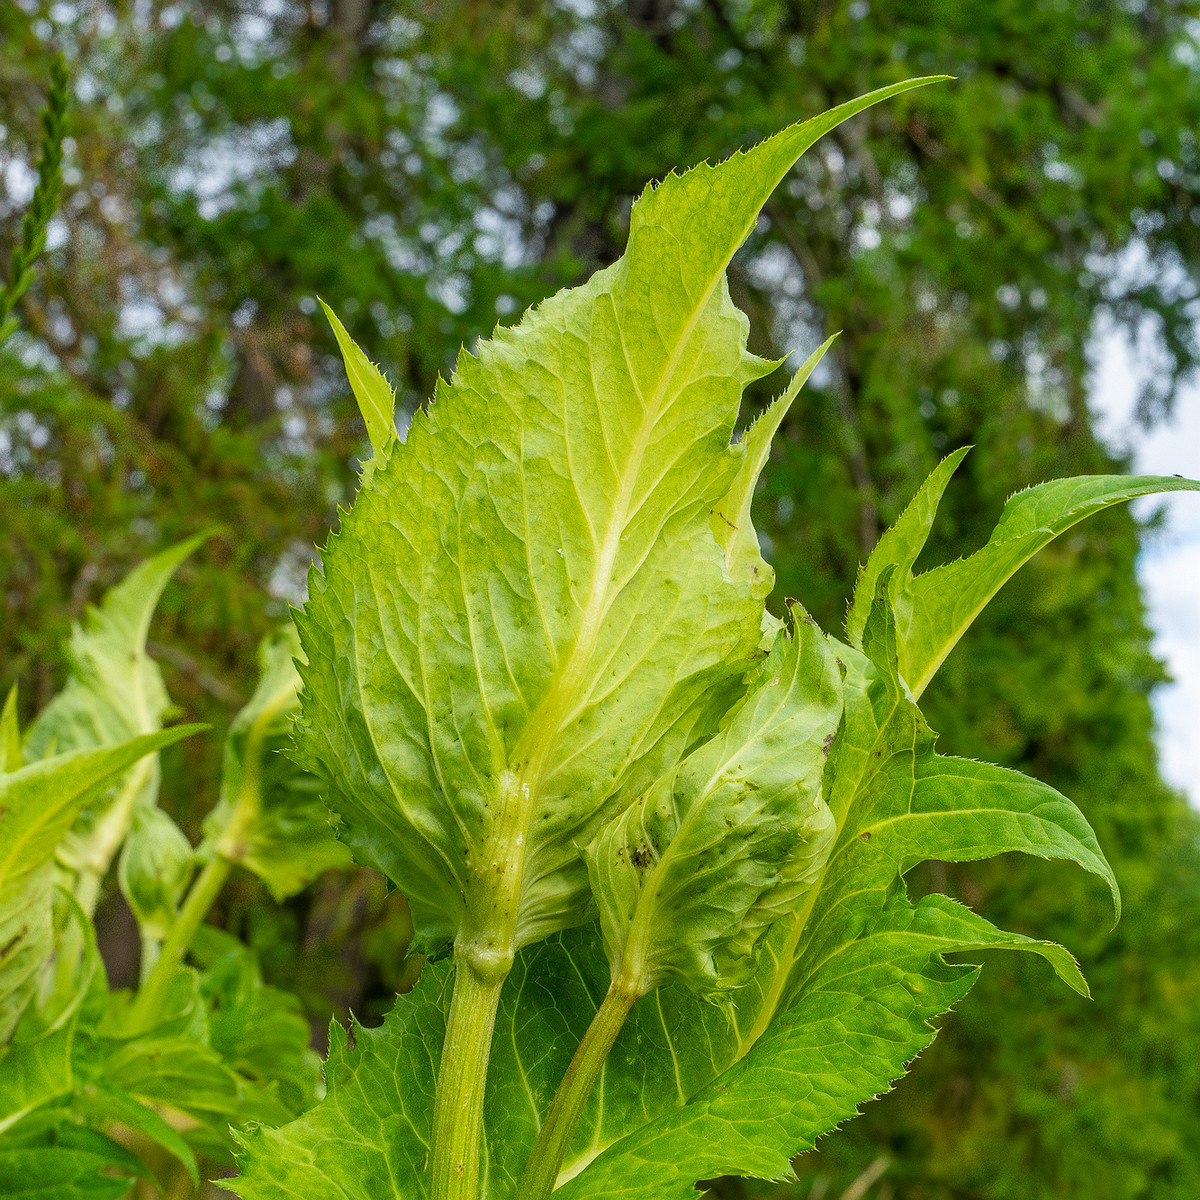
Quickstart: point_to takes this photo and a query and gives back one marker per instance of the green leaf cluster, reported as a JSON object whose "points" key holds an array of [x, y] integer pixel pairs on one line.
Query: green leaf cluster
{"points": [[530, 650], [99, 1088], [1067, 136]]}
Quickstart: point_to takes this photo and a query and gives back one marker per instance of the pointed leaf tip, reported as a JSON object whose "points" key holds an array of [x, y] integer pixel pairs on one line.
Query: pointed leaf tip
{"points": [[376, 400], [730, 521], [10, 735]]}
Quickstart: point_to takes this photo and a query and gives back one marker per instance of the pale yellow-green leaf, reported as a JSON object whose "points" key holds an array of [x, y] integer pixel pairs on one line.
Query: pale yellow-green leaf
{"points": [[526, 616], [376, 399], [37, 806], [11, 758], [115, 692], [731, 524]]}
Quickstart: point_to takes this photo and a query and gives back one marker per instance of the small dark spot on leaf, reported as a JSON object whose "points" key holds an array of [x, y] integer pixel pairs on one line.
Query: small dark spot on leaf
{"points": [[865, 835]]}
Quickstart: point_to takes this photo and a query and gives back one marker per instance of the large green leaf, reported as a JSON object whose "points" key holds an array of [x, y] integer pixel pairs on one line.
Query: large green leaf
{"points": [[506, 651], [38, 804], [369, 1137], [115, 692], [526, 615], [270, 817]]}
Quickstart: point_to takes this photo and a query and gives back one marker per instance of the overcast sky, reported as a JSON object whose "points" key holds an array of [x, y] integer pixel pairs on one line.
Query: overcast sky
{"points": [[1170, 562]]}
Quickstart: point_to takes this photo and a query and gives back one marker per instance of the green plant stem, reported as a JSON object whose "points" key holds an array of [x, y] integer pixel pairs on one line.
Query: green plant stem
{"points": [[462, 1077], [204, 891], [227, 850], [545, 1162], [151, 952]]}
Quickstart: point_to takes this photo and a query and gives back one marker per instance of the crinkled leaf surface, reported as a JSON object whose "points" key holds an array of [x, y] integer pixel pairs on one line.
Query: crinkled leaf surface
{"points": [[677, 875], [282, 831], [526, 614], [842, 1002], [38, 804]]}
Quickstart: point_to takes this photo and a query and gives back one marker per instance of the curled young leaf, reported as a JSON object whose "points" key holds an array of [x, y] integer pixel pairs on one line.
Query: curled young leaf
{"points": [[730, 519], [375, 397], [11, 757], [154, 868], [688, 876]]}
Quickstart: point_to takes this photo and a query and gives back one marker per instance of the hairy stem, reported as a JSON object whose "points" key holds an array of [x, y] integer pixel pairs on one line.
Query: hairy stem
{"points": [[462, 1078], [545, 1162]]}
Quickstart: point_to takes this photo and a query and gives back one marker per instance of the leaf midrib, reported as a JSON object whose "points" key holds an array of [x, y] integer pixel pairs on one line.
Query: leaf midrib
{"points": [[528, 759]]}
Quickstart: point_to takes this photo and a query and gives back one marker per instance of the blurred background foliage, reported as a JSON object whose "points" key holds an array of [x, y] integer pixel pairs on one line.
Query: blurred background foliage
{"points": [[431, 169]]}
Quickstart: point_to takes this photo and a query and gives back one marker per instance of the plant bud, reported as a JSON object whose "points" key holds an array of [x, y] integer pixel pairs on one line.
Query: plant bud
{"points": [[156, 864]]}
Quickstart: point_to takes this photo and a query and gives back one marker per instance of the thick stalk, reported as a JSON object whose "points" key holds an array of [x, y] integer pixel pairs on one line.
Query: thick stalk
{"points": [[462, 1078], [200, 899], [545, 1162]]}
